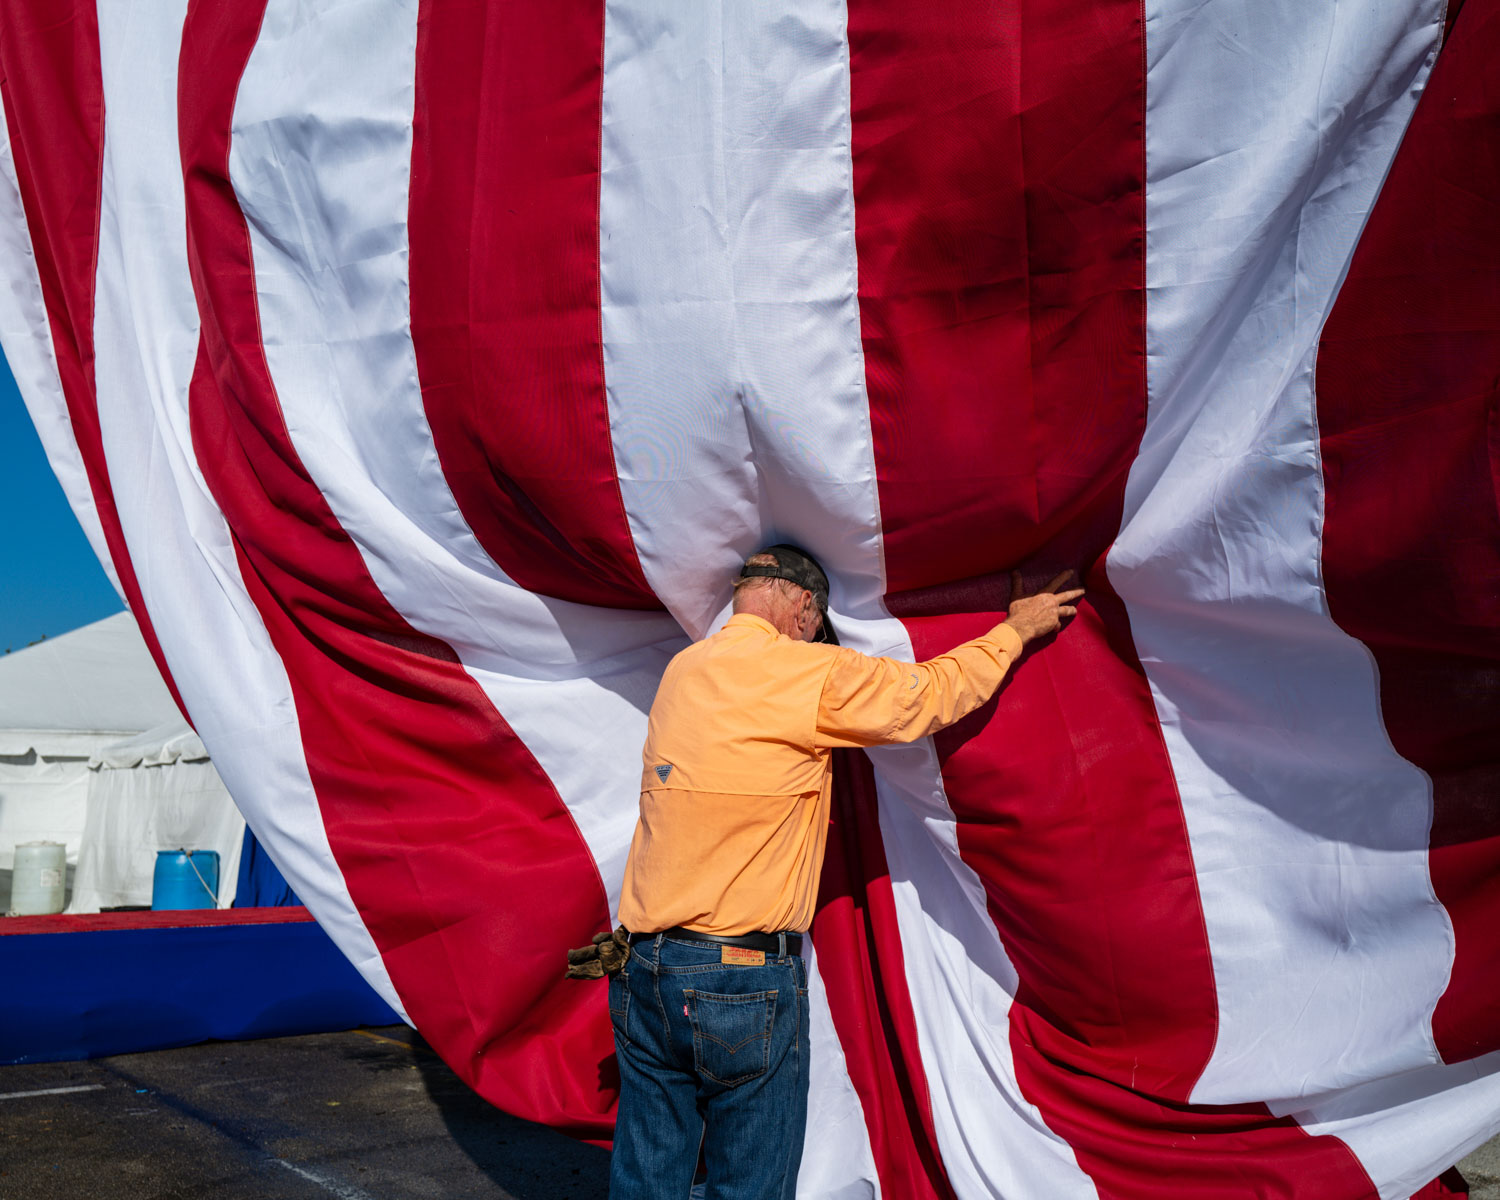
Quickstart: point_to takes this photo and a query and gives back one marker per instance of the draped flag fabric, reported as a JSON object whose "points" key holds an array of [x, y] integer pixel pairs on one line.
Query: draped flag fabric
{"points": [[422, 369]]}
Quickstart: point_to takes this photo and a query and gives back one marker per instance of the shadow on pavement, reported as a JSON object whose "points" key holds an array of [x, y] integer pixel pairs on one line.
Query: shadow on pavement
{"points": [[531, 1162]]}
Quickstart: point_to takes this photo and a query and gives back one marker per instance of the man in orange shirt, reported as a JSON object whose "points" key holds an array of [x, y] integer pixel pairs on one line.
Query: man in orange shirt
{"points": [[710, 1011]]}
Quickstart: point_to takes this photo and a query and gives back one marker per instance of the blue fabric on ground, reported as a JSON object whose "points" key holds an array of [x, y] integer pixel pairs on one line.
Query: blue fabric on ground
{"points": [[261, 883]]}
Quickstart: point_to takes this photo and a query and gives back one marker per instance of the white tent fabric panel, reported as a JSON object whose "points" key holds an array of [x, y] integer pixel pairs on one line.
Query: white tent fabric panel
{"points": [[94, 754], [162, 746], [42, 800], [135, 812]]}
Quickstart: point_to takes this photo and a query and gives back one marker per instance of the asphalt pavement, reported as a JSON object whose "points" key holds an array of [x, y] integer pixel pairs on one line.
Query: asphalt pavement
{"points": [[365, 1115], [1482, 1170]]}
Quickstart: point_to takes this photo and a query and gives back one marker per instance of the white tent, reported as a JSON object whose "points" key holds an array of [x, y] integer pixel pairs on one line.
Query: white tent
{"points": [[94, 754]]}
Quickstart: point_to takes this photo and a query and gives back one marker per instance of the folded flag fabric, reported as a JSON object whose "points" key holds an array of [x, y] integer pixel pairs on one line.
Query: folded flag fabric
{"points": [[422, 371]]}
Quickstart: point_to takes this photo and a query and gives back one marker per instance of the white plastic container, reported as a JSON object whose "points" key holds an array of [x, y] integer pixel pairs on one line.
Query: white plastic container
{"points": [[36, 886]]}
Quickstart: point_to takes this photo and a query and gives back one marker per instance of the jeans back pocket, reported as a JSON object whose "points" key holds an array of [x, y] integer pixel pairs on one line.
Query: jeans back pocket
{"points": [[731, 1034]]}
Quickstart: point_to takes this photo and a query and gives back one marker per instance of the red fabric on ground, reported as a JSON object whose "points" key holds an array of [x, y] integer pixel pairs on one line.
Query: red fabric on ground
{"points": [[1449, 1183]]}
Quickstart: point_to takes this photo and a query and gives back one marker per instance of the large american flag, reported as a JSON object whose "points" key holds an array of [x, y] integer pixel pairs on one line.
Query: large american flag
{"points": [[422, 370]]}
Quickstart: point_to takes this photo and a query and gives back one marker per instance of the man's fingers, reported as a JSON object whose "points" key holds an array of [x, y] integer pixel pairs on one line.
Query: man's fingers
{"points": [[1017, 588], [1066, 610]]}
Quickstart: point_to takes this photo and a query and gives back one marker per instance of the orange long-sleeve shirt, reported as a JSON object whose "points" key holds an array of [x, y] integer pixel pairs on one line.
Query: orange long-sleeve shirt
{"points": [[737, 776]]}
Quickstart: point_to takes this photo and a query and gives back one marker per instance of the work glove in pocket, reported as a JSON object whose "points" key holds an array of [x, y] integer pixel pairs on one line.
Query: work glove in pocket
{"points": [[608, 953]]}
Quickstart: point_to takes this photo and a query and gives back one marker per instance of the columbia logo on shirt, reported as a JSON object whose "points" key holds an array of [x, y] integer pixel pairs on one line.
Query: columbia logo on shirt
{"points": [[663, 771]]}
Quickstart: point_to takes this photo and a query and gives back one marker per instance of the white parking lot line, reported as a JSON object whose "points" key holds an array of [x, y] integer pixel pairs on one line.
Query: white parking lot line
{"points": [[85, 1087]]}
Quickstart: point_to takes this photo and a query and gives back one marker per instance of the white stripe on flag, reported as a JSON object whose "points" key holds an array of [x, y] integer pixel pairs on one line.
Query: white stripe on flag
{"points": [[835, 1119], [994, 1141], [721, 386], [26, 335], [736, 388], [146, 342], [1409, 1128], [731, 330], [326, 203], [1268, 131]]}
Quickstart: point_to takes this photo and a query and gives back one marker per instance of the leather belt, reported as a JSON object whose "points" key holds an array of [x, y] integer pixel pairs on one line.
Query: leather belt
{"points": [[770, 942]]}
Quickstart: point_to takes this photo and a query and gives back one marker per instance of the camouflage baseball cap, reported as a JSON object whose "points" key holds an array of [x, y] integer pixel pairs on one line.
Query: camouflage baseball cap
{"points": [[796, 565]]}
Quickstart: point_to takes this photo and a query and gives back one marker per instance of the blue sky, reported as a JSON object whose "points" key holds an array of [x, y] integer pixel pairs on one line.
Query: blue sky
{"points": [[50, 581]]}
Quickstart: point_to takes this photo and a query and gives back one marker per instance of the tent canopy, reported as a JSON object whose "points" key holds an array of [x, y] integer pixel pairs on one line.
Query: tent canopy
{"points": [[74, 694]]}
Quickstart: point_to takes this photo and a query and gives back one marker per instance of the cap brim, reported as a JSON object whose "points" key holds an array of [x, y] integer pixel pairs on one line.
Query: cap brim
{"points": [[826, 632]]}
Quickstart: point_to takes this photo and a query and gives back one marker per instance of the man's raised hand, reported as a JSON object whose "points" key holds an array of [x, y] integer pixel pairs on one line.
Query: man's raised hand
{"points": [[1043, 612]]}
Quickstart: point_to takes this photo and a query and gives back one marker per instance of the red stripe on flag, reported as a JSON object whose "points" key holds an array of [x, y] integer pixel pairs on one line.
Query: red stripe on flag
{"points": [[1068, 812], [1408, 398], [999, 213], [53, 90], [466, 866], [1073, 826], [864, 975], [505, 319], [1000, 312]]}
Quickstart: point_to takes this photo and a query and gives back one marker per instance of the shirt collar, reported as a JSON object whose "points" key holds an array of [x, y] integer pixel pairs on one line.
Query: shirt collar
{"points": [[750, 621]]}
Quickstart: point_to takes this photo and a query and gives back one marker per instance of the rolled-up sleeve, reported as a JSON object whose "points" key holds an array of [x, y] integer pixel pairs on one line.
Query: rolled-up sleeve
{"points": [[869, 701]]}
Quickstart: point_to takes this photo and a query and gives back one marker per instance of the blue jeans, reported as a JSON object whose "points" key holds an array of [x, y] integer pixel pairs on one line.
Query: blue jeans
{"points": [[709, 1053]]}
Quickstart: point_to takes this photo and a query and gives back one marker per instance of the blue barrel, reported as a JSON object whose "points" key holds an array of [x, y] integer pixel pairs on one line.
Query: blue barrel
{"points": [[185, 879]]}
